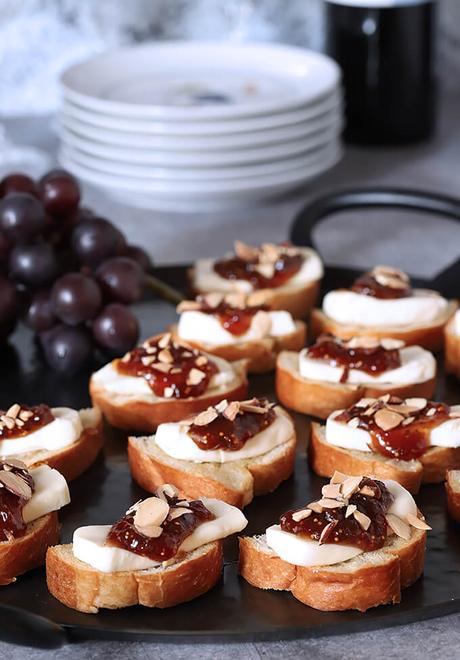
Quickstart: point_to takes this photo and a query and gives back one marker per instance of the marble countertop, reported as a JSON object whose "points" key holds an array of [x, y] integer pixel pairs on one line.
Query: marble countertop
{"points": [[422, 245]]}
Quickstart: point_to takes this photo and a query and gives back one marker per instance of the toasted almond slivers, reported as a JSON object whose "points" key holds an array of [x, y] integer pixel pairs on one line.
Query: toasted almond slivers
{"points": [[13, 410], [15, 484], [147, 360], [399, 527], [326, 532], [177, 512], [164, 340], [365, 402], [339, 477], [166, 490], [201, 361], [408, 421], [25, 415], [236, 299], [362, 342], [417, 522], [168, 392], [220, 407], [232, 410], [353, 422], [213, 299], [331, 490], [165, 355], [8, 422], [261, 324], [253, 405], [245, 251], [327, 503], [315, 506], [431, 412], [195, 376], [14, 462], [301, 515], [416, 402], [387, 419], [366, 490], [350, 486], [152, 531], [363, 520], [206, 417], [391, 344], [351, 508], [151, 512]]}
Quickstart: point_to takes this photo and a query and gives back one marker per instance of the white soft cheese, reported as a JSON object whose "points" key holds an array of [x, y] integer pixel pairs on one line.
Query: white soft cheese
{"points": [[174, 440], [342, 435], [207, 329], [135, 386], [64, 430], [51, 493], [352, 308], [207, 280], [457, 323], [417, 366], [89, 542], [307, 552]]}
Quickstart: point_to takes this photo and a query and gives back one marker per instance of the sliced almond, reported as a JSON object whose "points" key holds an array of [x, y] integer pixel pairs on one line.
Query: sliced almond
{"points": [[265, 269], [165, 368], [367, 491], [363, 342], [245, 251], [408, 421], [301, 515], [8, 422], [399, 527], [416, 402], [331, 490], [232, 410], [165, 355], [350, 486], [177, 512], [19, 422], [168, 392], [417, 522], [25, 415], [431, 412], [327, 503], [166, 490], [213, 299], [152, 531], [327, 532], [391, 344], [270, 252], [253, 406], [315, 506], [148, 360], [206, 417], [220, 407], [338, 477], [387, 419], [363, 520], [351, 508], [15, 484], [13, 410], [365, 402], [236, 300], [151, 512], [201, 361], [195, 376], [384, 398], [164, 340], [14, 462], [353, 422], [261, 324]]}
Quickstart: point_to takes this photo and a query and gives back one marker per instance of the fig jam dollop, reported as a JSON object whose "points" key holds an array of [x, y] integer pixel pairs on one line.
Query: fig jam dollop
{"points": [[384, 283], [171, 369], [235, 320], [12, 500], [20, 420], [347, 530], [124, 534]]}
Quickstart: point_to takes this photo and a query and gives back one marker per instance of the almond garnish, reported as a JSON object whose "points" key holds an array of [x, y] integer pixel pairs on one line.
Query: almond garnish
{"points": [[166, 490], [168, 392], [353, 422], [165, 355], [350, 486], [387, 419], [176, 512], [363, 520], [408, 421], [201, 361], [8, 422], [367, 490], [232, 410], [391, 344], [399, 527], [149, 516], [326, 532], [351, 508], [327, 503], [252, 405], [362, 342], [237, 300], [206, 417], [364, 403], [13, 410], [195, 376], [265, 269], [14, 462], [416, 402], [220, 407], [164, 340], [15, 484], [213, 299], [338, 477], [147, 360], [25, 415], [331, 490], [431, 412], [417, 522], [261, 324], [316, 507], [245, 252], [301, 515]]}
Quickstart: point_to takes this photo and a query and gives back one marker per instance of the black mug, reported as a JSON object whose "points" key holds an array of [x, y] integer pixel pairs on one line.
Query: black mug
{"points": [[385, 49]]}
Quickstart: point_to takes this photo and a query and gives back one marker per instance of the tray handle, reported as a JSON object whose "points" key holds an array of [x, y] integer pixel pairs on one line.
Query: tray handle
{"points": [[27, 629], [448, 281]]}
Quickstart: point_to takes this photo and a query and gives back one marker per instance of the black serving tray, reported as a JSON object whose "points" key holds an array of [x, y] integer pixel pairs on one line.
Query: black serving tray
{"points": [[233, 610]]}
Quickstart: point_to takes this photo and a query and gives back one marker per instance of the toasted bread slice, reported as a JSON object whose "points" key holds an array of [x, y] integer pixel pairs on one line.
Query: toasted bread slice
{"points": [[320, 398], [453, 493], [27, 552], [452, 349], [86, 589], [259, 353], [144, 413], [235, 482], [431, 467], [73, 460], [370, 579], [430, 336]]}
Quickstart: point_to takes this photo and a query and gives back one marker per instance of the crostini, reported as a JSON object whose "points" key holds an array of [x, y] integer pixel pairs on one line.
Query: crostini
{"points": [[336, 373], [29, 502], [234, 328], [453, 493], [232, 451], [412, 441], [165, 550], [452, 345], [65, 439], [355, 548], [280, 276], [164, 380], [382, 303]]}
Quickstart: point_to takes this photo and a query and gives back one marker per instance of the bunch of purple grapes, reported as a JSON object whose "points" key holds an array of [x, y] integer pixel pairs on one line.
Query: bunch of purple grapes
{"points": [[66, 273]]}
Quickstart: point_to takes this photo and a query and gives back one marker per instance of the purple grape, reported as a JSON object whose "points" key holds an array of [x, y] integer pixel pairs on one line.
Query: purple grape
{"points": [[60, 193], [34, 265], [67, 349], [96, 240], [139, 255], [75, 298], [21, 217], [17, 182], [5, 249], [116, 329], [39, 315], [121, 279], [8, 307]]}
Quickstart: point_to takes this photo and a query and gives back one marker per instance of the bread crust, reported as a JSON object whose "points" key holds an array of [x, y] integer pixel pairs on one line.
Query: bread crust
{"points": [[453, 494], [430, 337], [256, 476], [431, 467], [84, 588], [259, 353], [320, 398], [145, 416], [452, 349], [27, 552], [357, 584]]}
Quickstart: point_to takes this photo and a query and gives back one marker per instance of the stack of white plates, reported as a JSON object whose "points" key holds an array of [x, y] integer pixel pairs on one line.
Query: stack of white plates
{"points": [[192, 125]]}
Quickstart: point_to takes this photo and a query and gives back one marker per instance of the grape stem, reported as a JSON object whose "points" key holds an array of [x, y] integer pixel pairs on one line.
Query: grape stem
{"points": [[163, 290]]}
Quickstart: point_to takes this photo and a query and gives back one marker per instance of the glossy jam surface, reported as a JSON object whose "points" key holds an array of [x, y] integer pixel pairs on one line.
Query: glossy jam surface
{"points": [[28, 420], [235, 320], [235, 268], [372, 361], [347, 531], [124, 534], [12, 524], [406, 441], [223, 433], [367, 285], [176, 371]]}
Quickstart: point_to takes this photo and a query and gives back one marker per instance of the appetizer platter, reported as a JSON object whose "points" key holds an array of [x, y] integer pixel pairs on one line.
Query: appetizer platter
{"points": [[220, 500]]}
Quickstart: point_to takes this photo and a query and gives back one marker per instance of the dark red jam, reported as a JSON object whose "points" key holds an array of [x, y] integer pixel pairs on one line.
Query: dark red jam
{"points": [[12, 500], [18, 421], [367, 285], [409, 439], [235, 320], [236, 268], [124, 534], [231, 435], [347, 530], [372, 361], [173, 371]]}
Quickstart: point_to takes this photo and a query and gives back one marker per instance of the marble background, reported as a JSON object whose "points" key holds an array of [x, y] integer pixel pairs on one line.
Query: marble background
{"points": [[39, 38]]}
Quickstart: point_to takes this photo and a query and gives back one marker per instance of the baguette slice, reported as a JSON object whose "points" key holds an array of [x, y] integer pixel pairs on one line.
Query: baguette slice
{"points": [[261, 353], [431, 467], [320, 398], [452, 348], [73, 460], [430, 336], [27, 552], [147, 412], [453, 493], [86, 589], [235, 482], [370, 579]]}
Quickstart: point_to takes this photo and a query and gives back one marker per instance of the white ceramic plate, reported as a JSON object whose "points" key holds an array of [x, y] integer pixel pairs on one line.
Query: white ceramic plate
{"points": [[154, 127], [155, 157], [199, 81]]}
